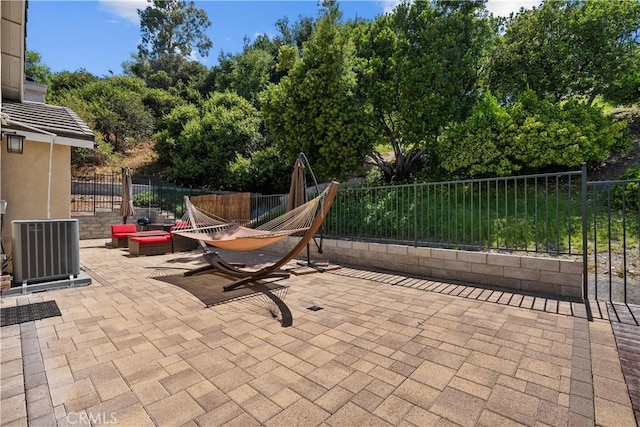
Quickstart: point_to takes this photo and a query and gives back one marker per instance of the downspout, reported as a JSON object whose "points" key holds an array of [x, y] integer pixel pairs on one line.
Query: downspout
{"points": [[50, 176]]}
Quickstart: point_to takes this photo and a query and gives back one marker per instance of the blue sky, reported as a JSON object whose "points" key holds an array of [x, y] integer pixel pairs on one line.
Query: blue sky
{"points": [[100, 35]]}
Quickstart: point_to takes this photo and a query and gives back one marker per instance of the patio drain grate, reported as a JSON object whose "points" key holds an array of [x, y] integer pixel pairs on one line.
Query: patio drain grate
{"points": [[26, 313]]}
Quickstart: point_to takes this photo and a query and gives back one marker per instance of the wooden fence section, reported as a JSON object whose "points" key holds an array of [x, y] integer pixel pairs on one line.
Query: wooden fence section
{"points": [[234, 207]]}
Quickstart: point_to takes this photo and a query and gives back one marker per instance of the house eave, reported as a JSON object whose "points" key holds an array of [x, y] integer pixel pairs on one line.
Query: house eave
{"points": [[41, 121], [46, 138]]}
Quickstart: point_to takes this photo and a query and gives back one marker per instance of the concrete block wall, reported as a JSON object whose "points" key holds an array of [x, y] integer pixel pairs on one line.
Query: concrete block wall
{"points": [[98, 226], [545, 276]]}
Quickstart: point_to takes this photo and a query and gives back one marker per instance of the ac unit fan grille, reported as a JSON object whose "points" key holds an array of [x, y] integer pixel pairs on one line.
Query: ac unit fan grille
{"points": [[45, 250]]}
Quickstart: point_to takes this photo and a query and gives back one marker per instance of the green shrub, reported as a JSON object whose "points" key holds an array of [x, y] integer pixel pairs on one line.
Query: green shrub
{"points": [[533, 135], [560, 136], [626, 194], [266, 171], [481, 145]]}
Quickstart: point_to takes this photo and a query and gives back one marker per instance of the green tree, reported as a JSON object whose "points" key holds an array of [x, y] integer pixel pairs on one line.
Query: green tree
{"points": [[569, 48], [118, 110], [169, 133], [171, 27], [202, 141], [265, 171], [160, 102], [563, 135], [171, 31], [418, 72], [257, 59], [247, 74], [179, 75], [296, 34], [315, 108], [34, 69], [482, 144], [68, 80], [532, 135]]}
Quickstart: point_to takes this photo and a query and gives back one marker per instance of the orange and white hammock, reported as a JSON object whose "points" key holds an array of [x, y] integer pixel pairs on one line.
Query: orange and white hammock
{"points": [[215, 231]]}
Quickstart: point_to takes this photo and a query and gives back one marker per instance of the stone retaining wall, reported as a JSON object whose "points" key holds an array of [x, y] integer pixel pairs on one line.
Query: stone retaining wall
{"points": [[98, 226], [544, 276]]}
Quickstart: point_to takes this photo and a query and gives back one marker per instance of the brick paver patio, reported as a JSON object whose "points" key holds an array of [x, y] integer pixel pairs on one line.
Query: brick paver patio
{"points": [[384, 350]]}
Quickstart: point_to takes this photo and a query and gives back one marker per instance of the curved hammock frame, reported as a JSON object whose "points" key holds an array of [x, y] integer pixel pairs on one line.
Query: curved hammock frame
{"points": [[210, 230]]}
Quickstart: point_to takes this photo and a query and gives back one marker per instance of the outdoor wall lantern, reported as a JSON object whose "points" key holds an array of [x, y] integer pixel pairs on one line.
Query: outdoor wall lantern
{"points": [[15, 142]]}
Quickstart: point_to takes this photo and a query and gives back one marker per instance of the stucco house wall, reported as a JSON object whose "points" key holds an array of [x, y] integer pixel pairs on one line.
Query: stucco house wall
{"points": [[25, 184], [49, 132]]}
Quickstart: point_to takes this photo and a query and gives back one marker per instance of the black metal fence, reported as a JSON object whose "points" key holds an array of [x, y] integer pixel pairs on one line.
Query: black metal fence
{"points": [[533, 213], [558, 214], [103, 193], [613, 241]]}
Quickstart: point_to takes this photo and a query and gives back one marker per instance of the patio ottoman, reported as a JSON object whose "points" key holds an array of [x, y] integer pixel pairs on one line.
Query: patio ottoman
{"points": [[120, 234], [146, 244], [182, 244]]}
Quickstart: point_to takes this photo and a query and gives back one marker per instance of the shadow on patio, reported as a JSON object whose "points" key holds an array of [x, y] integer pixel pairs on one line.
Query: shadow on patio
{"points": [[385, 350]]}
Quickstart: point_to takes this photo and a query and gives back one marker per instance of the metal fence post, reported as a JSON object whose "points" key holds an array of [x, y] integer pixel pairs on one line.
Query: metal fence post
{"points": [[95, 179], [585, 253], [415, 212], [112, 184]]}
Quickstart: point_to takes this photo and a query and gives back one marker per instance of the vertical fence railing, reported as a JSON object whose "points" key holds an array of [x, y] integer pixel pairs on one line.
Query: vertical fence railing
{"points": [[532, 213], [585, 213], [266, 207], [613, 233], [555, 214], [95, 193], [103, 193]]}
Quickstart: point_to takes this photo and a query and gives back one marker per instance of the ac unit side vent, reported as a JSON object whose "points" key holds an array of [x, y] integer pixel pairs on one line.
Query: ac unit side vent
{"points": [[45, 250]]}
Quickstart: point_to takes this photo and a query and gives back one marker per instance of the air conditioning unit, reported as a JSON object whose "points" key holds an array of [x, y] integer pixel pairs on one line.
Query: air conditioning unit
{"points": [[45, 250]]}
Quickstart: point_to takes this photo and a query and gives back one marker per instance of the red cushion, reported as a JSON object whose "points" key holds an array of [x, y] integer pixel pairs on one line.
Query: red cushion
{"points": [[151, 233], [147, 240], [122, 230], [181, 225], [120, 235]]}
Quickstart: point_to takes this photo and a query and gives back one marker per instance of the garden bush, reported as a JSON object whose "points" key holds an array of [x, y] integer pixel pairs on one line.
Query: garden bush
{"points": [[532, 135]]}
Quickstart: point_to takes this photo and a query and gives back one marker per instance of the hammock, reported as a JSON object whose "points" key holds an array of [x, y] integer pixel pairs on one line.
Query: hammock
{"points": [[211, 230], [215, 231]]}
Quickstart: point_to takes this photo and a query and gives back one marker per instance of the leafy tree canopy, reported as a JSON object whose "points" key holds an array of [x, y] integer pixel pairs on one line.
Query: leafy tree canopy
{"points": [[201, 142], [34, 69], [117, 111], [68, 80], [570, 48], [315, 108], [419, 71], [265, 171], [169, 72], [170, 27], [246, 74], [533, 134]]}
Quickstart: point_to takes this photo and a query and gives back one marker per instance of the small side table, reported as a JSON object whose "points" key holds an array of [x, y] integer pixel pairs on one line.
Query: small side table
{"points": [[159, 226]]}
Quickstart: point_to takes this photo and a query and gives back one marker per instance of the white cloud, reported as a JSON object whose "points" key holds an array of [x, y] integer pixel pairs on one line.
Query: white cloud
{"points": [[127, 9], [505, 7], [497, 7], [389, 5]]}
